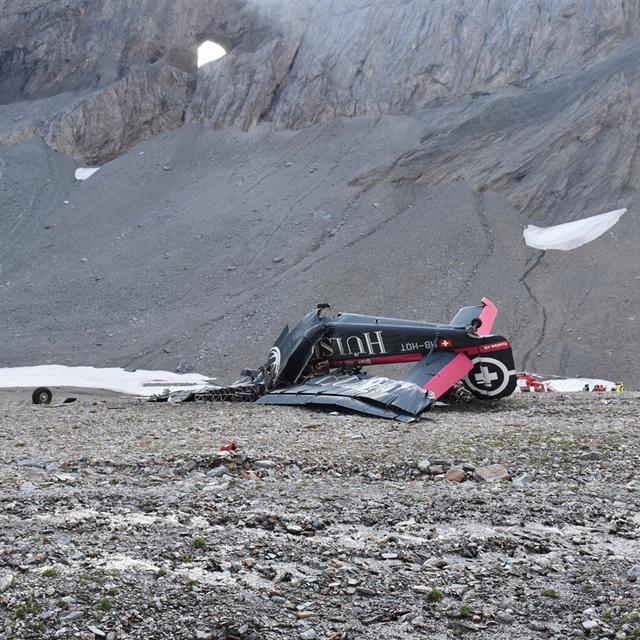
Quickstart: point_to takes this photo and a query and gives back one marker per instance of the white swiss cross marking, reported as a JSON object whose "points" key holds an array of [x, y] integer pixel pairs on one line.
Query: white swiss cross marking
{"points": [[485, 377]]}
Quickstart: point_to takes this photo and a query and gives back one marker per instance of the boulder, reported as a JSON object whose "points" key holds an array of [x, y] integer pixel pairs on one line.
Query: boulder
{"points": [[491, 473]]}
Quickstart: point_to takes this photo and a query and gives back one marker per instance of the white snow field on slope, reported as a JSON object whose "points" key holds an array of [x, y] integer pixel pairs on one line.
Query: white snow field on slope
{"points": [[85, 173], [577, 384], [571, 235], [137, 383]]}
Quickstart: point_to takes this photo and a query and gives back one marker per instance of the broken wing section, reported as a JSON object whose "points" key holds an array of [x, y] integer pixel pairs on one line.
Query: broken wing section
{"points": [[371, 395]]}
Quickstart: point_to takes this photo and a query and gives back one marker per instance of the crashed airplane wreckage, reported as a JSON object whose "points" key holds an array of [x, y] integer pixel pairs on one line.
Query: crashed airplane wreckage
{"points": [[319, 362]]}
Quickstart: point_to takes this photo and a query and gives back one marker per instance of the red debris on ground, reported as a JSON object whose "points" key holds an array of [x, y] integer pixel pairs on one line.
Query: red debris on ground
{"points": [[530, 383]]}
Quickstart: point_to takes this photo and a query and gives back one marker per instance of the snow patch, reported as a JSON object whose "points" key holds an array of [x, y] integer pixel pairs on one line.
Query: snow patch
{"points": [[577, 384], [85, 172], [209, 51], [571, 235], [137, 383]]}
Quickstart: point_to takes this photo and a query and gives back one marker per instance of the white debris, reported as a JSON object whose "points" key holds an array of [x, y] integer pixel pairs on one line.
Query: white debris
{"points": [[577, 384], [85, 172], [138, 383], [571, 235]]}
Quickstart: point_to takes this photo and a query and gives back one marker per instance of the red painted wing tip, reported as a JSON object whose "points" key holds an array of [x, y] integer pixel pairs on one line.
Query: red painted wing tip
{"points": [[488, 317]]}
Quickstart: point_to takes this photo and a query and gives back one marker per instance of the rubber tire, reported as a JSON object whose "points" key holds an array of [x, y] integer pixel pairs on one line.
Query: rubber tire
{"points": [[42, 395]]}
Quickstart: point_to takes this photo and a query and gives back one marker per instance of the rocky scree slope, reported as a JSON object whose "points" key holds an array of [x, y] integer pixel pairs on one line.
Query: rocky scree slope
{"points": [[393, 152]]}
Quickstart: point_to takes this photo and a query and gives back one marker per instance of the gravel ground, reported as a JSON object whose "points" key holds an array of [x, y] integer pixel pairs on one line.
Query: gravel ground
{"points": [[122, 519]]}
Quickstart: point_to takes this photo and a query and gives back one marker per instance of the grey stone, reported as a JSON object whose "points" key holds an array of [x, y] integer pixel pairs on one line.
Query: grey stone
{"points": [[505, 618], [525, 478], [423, 465], [264, 464], [30, 462], [439, 563], [589, 625], [5, 582], [294, 529], [70, 616]]}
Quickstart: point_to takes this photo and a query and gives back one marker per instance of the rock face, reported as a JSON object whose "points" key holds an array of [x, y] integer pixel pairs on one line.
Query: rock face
{"points": [[371, 58], [68, 45], [103, 124], [293, 62], [129, 68], [391, 138]]}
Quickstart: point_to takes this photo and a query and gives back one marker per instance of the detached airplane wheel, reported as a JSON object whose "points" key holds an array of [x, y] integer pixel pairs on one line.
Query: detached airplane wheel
{"points": [[41, 395]]}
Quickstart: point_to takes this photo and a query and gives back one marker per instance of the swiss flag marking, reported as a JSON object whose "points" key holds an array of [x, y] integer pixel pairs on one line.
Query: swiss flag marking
{"points": [[444, 343]]}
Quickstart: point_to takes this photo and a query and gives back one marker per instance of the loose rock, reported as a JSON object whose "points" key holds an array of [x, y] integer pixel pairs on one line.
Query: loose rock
{"points": [[491, 473], [456, 475]]}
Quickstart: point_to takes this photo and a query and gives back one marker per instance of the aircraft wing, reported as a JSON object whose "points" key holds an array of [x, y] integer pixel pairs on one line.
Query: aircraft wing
{"points": [[439, 371], [371, 395]]}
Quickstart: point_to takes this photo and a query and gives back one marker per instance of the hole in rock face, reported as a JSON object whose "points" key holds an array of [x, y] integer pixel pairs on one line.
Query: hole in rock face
{"points": [[209, 51]]}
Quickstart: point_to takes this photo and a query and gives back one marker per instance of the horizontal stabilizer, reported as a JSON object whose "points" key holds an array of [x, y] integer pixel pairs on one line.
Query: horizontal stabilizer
{"points": [[480, 317], [439, 371]]}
